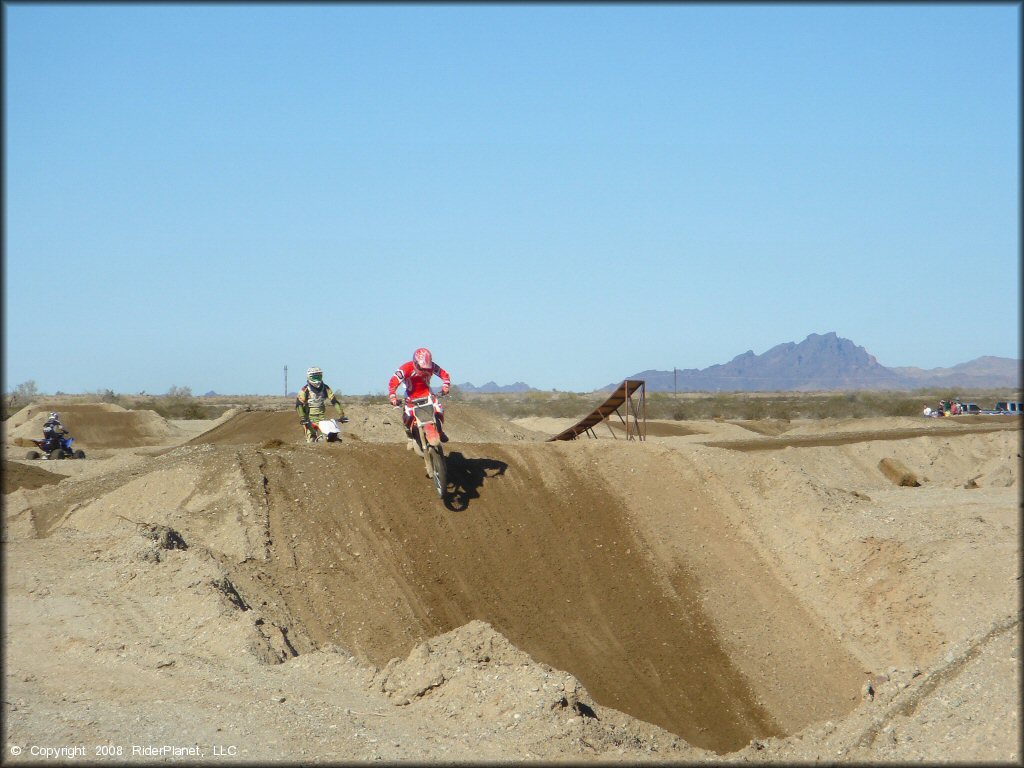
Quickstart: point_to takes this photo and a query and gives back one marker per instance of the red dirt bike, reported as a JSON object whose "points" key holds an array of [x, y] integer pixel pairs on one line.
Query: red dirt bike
{"points": [[427, 436]]}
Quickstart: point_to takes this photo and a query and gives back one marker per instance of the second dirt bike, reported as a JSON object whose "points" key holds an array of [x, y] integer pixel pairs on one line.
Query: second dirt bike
{"points": [[428, 439], [326, 429]]}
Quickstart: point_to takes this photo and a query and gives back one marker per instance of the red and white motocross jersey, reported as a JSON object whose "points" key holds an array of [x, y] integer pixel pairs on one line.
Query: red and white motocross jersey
{"points": [[417, 382]]}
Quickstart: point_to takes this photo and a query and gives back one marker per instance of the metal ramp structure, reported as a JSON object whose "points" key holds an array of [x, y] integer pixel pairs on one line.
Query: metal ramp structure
{"points": [[635, 420]]}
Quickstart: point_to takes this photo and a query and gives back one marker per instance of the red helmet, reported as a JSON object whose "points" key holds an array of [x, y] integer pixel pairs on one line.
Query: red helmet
{"points": [[423, 360]]}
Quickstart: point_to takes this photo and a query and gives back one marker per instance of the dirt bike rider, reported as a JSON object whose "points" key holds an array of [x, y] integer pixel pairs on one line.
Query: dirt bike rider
{"points": [[415, 375], [311, 402], [53, 431]]}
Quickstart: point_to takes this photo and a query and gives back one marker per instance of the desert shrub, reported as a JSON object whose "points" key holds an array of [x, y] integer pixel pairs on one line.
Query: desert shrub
{"points": [[25, 391], [554, 404], [181, 409], [21, 396], [754, 408], [682, 413], [107, 396], [193, 411], [178, 403], [695, 406]]}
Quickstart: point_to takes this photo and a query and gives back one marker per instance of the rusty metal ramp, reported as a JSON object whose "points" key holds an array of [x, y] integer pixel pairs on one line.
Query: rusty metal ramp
{"points": [[631, 396]]}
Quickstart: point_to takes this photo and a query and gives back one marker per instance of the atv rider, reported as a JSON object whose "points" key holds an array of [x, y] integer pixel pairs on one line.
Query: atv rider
{"points": [[311, 402], [415, 375], [53, 432]]}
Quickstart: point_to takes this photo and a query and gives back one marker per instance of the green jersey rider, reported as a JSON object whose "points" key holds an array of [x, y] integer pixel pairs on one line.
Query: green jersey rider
{"points": [[311, 402]]}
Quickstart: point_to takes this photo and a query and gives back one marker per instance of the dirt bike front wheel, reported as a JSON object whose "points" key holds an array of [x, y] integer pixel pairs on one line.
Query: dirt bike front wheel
{"points": [[438, 471]]}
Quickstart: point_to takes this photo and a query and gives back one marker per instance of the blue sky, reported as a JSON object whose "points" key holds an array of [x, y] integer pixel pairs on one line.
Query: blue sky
{"points": [[199, 195]]}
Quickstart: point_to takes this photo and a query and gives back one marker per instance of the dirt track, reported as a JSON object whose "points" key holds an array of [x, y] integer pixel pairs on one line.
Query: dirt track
{"points": [[739, 599]]}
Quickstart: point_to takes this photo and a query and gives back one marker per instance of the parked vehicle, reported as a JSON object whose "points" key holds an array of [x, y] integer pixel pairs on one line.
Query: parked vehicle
{"points": [[1011, 407], [954, 408]]}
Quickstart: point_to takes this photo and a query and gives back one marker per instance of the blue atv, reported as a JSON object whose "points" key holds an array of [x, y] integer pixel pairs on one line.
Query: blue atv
{"points": [[55, 448]]}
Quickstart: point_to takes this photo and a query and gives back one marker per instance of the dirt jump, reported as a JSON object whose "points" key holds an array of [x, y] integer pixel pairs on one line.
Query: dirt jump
{"points": [[94, 425], [722, 591]]}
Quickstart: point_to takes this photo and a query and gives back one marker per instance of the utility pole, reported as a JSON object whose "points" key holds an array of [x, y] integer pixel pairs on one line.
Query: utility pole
{"points": [[286, 381], [675, 393]]}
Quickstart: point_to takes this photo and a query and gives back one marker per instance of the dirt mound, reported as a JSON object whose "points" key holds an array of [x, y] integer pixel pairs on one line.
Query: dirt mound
{"points": [[549, 426], [398, 568], [472, 424], [849, 436], [93, 425], [772, 427], [17, 475], [366, 423], [654, 428], [253, 427], [450, 658]]}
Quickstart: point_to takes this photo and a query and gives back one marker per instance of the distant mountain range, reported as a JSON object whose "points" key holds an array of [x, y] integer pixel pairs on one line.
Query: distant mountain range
{"points": [[819, 363], [491, 388], [827, 362]]}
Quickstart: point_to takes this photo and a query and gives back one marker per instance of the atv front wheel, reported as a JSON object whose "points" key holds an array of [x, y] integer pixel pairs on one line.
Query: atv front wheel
{"points": [[56, 453], [79, 454]]}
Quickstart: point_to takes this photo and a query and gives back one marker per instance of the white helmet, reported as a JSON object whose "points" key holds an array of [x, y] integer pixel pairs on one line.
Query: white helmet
{"points": [[54, 416], [314, 376]]}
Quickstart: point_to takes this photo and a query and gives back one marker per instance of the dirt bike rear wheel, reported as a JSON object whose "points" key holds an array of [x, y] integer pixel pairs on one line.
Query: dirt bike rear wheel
{"points": [[438, 470]]}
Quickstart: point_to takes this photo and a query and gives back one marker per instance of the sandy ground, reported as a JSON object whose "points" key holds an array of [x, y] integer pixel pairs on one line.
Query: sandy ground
{"points": [[812, 591]]}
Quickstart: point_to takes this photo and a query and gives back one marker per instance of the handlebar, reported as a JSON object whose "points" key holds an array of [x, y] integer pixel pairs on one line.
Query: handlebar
{"points": [[403, 400]]}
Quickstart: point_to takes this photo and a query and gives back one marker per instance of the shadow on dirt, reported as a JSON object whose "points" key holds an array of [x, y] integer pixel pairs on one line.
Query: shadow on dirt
{"points": [[465, 476]]}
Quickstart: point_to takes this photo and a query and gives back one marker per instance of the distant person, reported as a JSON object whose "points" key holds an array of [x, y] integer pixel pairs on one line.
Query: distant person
{"points": [[416, 375], [53, 431], [311, 402]]}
